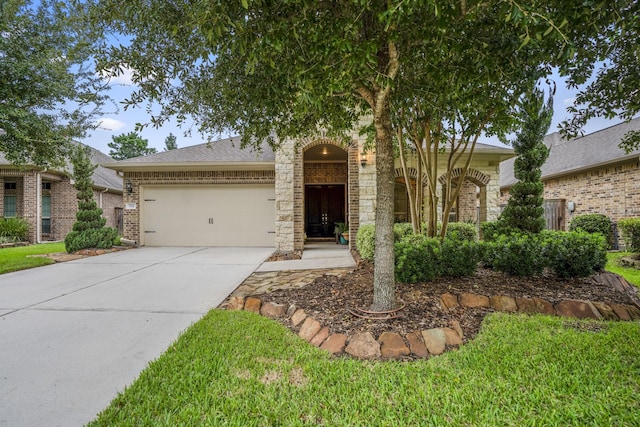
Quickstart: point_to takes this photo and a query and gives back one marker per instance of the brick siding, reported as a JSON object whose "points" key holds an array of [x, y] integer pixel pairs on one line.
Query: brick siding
{"points": [[613, 191]]}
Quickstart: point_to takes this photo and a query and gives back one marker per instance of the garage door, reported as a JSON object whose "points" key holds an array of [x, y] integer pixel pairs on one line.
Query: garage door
{"points": [[209, 215]]}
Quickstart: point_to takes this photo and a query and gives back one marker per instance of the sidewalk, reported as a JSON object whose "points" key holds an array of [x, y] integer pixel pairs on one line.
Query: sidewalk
{"points": [[316, 256]]}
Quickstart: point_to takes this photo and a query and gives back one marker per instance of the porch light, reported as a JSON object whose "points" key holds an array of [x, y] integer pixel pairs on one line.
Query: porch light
{"points": [[128, 186], [363, 159]]}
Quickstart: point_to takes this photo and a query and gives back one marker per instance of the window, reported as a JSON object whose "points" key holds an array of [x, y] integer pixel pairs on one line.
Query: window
{"points": [[10, 186], [46, 186], [10, 205], [46, 214]]}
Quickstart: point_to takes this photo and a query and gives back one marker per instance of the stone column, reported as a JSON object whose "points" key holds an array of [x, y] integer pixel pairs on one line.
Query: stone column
{"points": [[285, 183]]}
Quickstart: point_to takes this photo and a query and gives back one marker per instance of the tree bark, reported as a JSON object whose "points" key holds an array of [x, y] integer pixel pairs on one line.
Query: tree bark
{"points": [[384, 285]]}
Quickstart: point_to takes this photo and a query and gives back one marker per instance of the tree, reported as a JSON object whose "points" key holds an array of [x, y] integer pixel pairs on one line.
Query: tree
{"points": [[126, 146], [270, 71], [170, 142], [614, 90], [524, 209], [48, 93], [89, 230]]}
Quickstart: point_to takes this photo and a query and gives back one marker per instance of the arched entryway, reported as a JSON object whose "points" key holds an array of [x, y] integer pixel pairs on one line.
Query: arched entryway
{"points": [[325, 178], [471, 204]]}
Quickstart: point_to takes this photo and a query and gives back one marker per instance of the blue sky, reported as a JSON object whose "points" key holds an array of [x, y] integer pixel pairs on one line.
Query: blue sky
{"points": [[125, 121]]}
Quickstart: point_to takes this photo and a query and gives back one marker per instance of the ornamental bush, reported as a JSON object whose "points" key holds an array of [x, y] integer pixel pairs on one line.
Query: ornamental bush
{"points": [[458, 258], [593, 223], [366, 241], [631, 230], [576, 253], [462, 231], [416, 258], [490, 230], [13, 229], [519, 254]]}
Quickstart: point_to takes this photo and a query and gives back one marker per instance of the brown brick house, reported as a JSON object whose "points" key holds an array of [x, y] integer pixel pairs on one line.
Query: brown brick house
{"points": [[590, 174], [47, 200], [220, 195]]}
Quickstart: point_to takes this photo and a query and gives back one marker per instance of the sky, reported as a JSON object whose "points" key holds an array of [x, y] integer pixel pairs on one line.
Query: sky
{"points": [[122, 121]]}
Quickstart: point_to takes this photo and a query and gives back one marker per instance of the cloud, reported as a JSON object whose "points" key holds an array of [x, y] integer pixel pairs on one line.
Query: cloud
{"points": [[107, 123], [569, 101], [124, 77]]}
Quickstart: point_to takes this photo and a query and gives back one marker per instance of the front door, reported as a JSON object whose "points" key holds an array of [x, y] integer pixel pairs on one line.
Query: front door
{"points": [[325, 206]]}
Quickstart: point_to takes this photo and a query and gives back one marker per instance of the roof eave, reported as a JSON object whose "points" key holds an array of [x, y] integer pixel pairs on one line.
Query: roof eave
{"points": [[188, 166]]}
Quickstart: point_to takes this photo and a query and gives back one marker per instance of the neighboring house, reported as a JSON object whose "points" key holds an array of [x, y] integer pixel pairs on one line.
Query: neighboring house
{"points": [[590, 174], [220, 195], [47, 200]]}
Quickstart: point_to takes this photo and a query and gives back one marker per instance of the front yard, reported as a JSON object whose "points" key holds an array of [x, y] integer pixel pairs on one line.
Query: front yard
{"points": [[240, 369], [19, 258]]}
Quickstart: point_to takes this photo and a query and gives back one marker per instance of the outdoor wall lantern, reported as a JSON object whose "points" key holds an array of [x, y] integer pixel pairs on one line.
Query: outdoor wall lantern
{"points": [[128, 186], [363, 159]]}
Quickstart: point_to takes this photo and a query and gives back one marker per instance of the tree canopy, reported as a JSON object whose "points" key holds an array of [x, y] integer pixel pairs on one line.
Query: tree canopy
{"points": [[48, 93], [170, 142], [276, 70], [128, 145]]}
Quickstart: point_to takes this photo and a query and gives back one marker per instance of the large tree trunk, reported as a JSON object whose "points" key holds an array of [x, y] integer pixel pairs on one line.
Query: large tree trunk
{"points": [[384, 285]]}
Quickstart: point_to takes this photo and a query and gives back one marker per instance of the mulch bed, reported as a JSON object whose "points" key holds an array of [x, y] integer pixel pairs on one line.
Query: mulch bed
{"points": [[329, 299]]}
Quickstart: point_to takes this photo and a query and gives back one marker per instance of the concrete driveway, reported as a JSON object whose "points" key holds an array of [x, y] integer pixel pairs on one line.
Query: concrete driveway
{"points": [[73, 335]]}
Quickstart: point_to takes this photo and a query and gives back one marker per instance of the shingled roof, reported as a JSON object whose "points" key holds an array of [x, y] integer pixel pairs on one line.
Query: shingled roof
{"points": [[572, 156], [223, 152], [102, 177]]}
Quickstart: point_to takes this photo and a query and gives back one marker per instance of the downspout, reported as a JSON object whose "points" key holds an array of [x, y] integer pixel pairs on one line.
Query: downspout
{"points": [[101, 193], [39, 207]]}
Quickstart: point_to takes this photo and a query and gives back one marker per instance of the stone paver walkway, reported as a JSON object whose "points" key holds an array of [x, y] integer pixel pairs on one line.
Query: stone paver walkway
{"points": [[389, 345]]}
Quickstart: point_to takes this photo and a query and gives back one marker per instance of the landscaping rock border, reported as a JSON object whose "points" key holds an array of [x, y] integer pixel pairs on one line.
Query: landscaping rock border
{"points": [[430, 342]]}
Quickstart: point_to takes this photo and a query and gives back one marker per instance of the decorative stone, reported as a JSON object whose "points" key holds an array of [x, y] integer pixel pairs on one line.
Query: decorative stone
{"points": [[236, 303], [335, 343], [503, 303], [633, 312], [455, 325], [621, 311], [417, 345], [298, 317], [449, 301], [320, 337], [309, 329], [534, 306], [451, 337], [273, 310], [252, 304], [435, 340], [363, 346], [474, 300], [291, 310], [392, 345], [605, 310], [577, 309]]}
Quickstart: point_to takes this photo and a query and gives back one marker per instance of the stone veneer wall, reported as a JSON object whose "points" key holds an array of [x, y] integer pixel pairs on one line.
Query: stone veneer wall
{"points": [[613, 191], [64, 205], [131, 217]]}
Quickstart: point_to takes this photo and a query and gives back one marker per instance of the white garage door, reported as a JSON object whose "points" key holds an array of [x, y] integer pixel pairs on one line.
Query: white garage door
{"points": [[209, 215]]}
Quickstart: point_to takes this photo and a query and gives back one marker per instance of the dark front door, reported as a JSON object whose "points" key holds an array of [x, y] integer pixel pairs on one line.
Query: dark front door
{"points": [[325, 207]]}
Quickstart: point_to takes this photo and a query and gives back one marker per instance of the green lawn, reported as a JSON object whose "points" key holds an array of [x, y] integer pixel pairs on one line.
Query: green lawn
{"points": [[631, 274], [14, 259], [241, 369]]}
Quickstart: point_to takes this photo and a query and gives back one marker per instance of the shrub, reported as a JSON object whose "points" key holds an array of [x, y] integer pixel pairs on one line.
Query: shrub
{"points": [[458, 258], [519, 254], [576, 253], [402, 229], [366, 241], [416, 258], [101, 238], [462, 231], [492, 229], [593, 223], [631, 229], [13, 229]]}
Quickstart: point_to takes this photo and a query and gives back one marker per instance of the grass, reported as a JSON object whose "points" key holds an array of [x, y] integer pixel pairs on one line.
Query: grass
{"points": [[613, 265], [14, 259], [241, 369]]}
